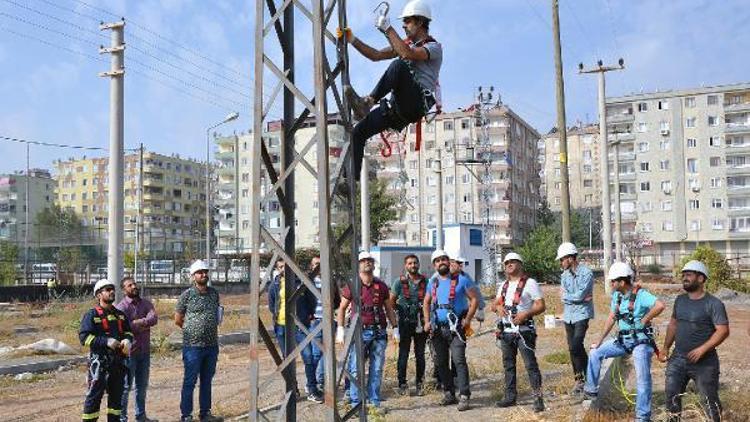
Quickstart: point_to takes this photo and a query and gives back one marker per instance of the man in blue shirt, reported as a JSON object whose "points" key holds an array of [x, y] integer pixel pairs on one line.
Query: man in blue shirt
{"points": [[633, 308], [577, 293], [449, 305]]}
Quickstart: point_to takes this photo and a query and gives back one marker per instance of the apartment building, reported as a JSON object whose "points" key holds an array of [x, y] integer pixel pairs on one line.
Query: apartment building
{"points": [[173, 206], [233, 155], [684, 163], [583, 167], [13, 204], [505, 191]]}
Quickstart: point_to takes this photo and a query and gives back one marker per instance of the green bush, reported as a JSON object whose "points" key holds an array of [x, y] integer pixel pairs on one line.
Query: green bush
{"points": [[719, 271], [539, 253], [653, 268]]}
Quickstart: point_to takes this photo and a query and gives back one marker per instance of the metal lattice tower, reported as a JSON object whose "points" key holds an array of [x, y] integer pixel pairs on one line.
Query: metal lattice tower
{"points": [[280, 18]]}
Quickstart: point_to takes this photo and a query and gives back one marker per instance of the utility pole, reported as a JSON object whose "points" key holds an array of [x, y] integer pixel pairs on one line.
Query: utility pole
{"points": [[618, 211], [116, 77], [604, 158], [27, 206], [561, 125], [139, 214], [439, 215], [365, 204]]}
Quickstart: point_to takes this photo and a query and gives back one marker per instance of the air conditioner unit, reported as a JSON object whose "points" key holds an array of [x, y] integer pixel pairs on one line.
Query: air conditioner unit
{"points": [[665, 132]]}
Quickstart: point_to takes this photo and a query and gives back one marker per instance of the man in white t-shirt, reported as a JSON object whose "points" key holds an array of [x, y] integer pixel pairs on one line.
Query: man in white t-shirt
{"points": [[519, 299]]}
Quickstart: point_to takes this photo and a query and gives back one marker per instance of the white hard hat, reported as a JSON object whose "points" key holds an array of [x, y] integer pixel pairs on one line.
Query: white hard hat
{"points": [[512, 256], [696, 266], [619, 270], [417, 8], [438, 253], [102, 284], [462, 260], [365, 255], [198, 265], [566, 249]]}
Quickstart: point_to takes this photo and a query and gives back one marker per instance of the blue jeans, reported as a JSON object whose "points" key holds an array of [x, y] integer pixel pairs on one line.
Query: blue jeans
{"points": [[137, 375], [317, 354], [641, 361], [198, 361], [373, 347], [308, 356]]}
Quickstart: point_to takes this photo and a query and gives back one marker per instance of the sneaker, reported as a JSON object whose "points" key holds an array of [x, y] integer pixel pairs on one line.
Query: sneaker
{"points": [[211, 418], [507, 401], [589, 395], [463, 403], [315, 397], [186, 419], [146, 419], [448, 399], [376, 410], [360, 105], [403, 389], [419, 390], [538, 404]]}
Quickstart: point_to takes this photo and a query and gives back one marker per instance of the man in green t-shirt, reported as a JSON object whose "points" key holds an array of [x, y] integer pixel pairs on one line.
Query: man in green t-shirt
{"points": [[407, 295]]}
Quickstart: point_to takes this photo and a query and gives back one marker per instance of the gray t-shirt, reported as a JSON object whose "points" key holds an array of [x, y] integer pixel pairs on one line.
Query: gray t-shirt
{"points": [[427, 72], [696, 321], [201, 327]]}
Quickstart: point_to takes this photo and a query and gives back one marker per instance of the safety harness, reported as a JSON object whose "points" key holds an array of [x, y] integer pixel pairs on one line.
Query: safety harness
{"points": [[406, 311], [103, 320], [512, 309], [632, 333], [375, 309], [406, 290]]}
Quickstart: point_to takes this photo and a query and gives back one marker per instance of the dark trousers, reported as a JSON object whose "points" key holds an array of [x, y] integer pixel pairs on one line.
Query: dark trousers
{"points": [[705, 375], [511, 344], [409, 101], [105, 375], [199, 362], [450, 347], [408, 334], [576, 333]]}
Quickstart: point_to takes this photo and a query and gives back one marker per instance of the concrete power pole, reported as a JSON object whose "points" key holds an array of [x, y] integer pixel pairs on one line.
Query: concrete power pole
{"points": [[561, 125], [604, 158], [365, 204], [439, 241], [116, 77], [618, 210], [139, 216]]}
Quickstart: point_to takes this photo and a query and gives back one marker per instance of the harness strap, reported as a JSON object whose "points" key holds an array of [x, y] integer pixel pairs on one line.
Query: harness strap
{"points": [[517, 295]]}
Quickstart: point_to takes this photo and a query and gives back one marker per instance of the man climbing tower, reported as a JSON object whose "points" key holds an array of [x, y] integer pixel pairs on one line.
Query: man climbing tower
{"points": [[411, 79]]}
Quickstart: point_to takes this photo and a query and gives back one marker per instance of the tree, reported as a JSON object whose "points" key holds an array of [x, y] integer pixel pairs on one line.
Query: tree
{"points": [[8, 259], [719, 270], [544, 215], [64, 225], [383, 209], [539, 252]]}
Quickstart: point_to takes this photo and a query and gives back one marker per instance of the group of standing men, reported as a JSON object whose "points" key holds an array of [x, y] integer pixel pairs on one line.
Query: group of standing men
{"points": [[119, 340]]}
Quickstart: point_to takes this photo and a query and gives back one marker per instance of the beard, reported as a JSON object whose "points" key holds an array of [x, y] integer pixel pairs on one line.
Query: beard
{"points": [[134, 294], [690, 286], [443, 270], [202, 281], [109, 299], [412, 271]]}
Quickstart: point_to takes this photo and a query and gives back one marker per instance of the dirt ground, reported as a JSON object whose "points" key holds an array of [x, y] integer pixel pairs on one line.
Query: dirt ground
{"points": [[58, 396]]}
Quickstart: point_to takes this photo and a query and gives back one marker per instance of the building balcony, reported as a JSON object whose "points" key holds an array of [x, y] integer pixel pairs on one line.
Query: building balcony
{"points": [[738, 190], [224, 155], [736, 211], [225, 171], [736, 108], [739, 170], [153, 195], [732, 128], [150, 181], [225, 140], [624, 177], [732, 150], [620, 118], [622, 137]]}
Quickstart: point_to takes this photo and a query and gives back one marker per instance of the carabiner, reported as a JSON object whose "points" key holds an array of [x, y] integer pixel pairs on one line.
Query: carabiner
{"points": [[383, 11]]}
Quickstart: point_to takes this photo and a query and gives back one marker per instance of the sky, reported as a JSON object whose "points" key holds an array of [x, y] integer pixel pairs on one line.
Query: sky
{"points": [[189, 63]]}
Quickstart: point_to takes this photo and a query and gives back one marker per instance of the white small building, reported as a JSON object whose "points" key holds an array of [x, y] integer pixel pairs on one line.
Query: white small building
{"points": [[389, 260], [467, 241]]}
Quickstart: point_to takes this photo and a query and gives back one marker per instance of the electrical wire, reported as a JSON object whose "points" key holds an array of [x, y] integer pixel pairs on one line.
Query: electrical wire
{"points": [[55, 18], [56, 145], [581, 28]]}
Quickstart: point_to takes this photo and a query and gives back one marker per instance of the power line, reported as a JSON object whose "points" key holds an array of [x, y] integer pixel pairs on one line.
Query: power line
{"points": [[581, 28], [56, 145], [75, 12], [612, 26], [547, 24], [55, 18], [46, 28]]}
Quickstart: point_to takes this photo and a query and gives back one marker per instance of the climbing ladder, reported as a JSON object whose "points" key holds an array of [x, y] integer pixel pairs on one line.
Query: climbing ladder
{"points": [[278, 17]]}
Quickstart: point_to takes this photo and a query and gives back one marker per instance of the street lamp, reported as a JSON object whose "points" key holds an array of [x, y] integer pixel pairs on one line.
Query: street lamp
{"points": [[229, 118]]}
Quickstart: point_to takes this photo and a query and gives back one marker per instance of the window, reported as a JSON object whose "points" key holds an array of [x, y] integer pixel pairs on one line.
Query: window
{"points": [[645, 166], [663, 105], [412, 164], [666, 205], [714, 141], [557, 172], [665, 145], [413, 183], [692, 142], [587, 168], [692, 165], [712, 121], [432, 200], [449, 180], [448, 125], [695, 225], [646, 206], [431, 181], [558, 185], [664, 165], [694, 204], [648, 227], [589, 198], [475, 237], [467, 197], [588, 183], [717, 224], [712, 100], [642, 107], [586, 154], [716, 182], [667, 226], [690, 122], [690, 102], [643, 147], [557, 200], [645, 186], [429, 145], [714, 161], [666, 186], [663, 125], [465, 178], [464, 123], [642, 127], [717, 203], [414, 218]]}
